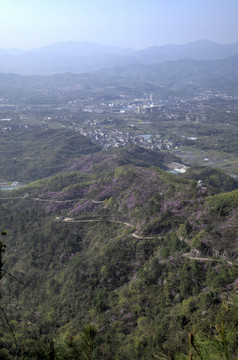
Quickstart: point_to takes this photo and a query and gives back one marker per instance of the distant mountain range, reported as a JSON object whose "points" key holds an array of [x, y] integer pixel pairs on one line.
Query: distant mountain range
{"points": [[80, 57], [213, 74]]}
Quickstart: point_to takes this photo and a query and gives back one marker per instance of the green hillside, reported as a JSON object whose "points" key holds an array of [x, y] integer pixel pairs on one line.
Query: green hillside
{"points": [[119, 262], [30, 154]]}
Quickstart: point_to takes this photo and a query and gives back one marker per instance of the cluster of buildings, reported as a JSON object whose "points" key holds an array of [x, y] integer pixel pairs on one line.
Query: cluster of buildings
{"points": [[137, 106], [114, 138], [5, 128], [211, 94]]}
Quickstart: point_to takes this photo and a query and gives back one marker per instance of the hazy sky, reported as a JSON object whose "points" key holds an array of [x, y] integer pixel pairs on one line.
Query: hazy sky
{"points": [[126, 23]]}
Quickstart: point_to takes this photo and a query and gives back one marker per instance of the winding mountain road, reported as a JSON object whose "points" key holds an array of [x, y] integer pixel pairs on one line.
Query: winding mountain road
{"points": [[72, 220], [134, 234], [190, 256]]}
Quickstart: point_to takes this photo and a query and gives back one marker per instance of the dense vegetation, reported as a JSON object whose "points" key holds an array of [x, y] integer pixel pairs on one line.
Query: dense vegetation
{"points": [[120, 261], [216, 179]]}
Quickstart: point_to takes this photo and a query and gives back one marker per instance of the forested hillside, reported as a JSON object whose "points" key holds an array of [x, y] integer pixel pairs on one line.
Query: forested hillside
{"points": [[116, 259], [27, 155]]}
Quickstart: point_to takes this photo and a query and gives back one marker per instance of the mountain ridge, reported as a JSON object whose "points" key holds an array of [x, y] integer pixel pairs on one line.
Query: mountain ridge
{"points": [[81, 57], [213, 74]]}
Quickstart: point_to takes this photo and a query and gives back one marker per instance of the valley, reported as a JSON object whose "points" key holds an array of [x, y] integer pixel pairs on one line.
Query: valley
{"points": [[120, 212]]}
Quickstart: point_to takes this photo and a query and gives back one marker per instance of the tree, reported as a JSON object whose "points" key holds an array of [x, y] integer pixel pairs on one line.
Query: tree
{"points": [[3, 305], [2, 250]]}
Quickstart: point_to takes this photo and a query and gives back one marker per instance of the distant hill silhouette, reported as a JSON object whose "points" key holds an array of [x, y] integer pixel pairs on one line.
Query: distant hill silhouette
{"points": [[79, 57], [214, 74]]}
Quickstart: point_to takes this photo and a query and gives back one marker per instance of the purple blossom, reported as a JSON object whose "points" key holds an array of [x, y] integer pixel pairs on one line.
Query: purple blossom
{"points": [[128, 315], [66, 256], [130, 202], [113, 319], [86, 206], [101, 329], [87, 163], [173, 292], [134, 277], [105, 193], [200, 213]]}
